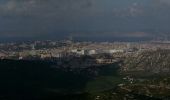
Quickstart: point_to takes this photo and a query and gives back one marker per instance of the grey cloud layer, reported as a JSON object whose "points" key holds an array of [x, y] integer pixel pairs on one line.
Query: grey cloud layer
{"points": [[45, 7], [30, 17], [41, 6]]}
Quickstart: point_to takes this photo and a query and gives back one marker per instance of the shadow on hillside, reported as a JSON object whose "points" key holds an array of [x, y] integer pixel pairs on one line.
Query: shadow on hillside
{"points": [[36, 80]]}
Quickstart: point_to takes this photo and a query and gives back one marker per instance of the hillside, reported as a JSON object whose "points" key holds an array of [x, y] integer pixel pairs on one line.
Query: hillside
{"points": [[149, 62]]}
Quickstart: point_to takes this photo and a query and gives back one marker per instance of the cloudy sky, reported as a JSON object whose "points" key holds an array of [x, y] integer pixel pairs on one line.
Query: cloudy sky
{"points": [[84, 18]]}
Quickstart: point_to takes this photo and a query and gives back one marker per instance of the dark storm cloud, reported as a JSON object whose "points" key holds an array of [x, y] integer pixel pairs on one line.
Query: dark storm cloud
{"points": [[37, 7], [138, 18]]}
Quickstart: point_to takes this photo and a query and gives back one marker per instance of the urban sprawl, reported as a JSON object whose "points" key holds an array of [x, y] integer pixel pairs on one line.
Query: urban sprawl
{"points": [[59, 49]]}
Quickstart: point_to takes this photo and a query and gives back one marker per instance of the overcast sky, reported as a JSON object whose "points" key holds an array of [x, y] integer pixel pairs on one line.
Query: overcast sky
{"points": [[84, 18]]}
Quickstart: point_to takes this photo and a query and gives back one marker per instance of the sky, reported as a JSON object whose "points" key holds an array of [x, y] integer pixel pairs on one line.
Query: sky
{"points": [[101, 19]]}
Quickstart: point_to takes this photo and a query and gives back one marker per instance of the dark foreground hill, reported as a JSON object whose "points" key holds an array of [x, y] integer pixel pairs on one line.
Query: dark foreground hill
{"points": [[38, 80]]}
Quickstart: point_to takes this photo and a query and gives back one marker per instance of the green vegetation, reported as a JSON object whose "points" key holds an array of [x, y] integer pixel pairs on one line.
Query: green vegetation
{"points": [[103, 83]]}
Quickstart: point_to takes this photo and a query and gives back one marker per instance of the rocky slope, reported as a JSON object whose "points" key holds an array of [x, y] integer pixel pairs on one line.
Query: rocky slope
{"points": [[151, 62]]}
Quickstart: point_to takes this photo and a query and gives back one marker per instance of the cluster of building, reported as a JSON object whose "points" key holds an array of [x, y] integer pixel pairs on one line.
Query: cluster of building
{"points": [[59, 49]]}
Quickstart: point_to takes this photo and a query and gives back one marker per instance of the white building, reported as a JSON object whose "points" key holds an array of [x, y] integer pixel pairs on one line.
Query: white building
{"points": [[115, 51], [78, 51], [111, 51], [91, 52]]}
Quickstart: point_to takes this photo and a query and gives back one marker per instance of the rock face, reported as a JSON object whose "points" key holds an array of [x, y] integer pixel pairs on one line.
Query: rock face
{"points": [[152, 62]]}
